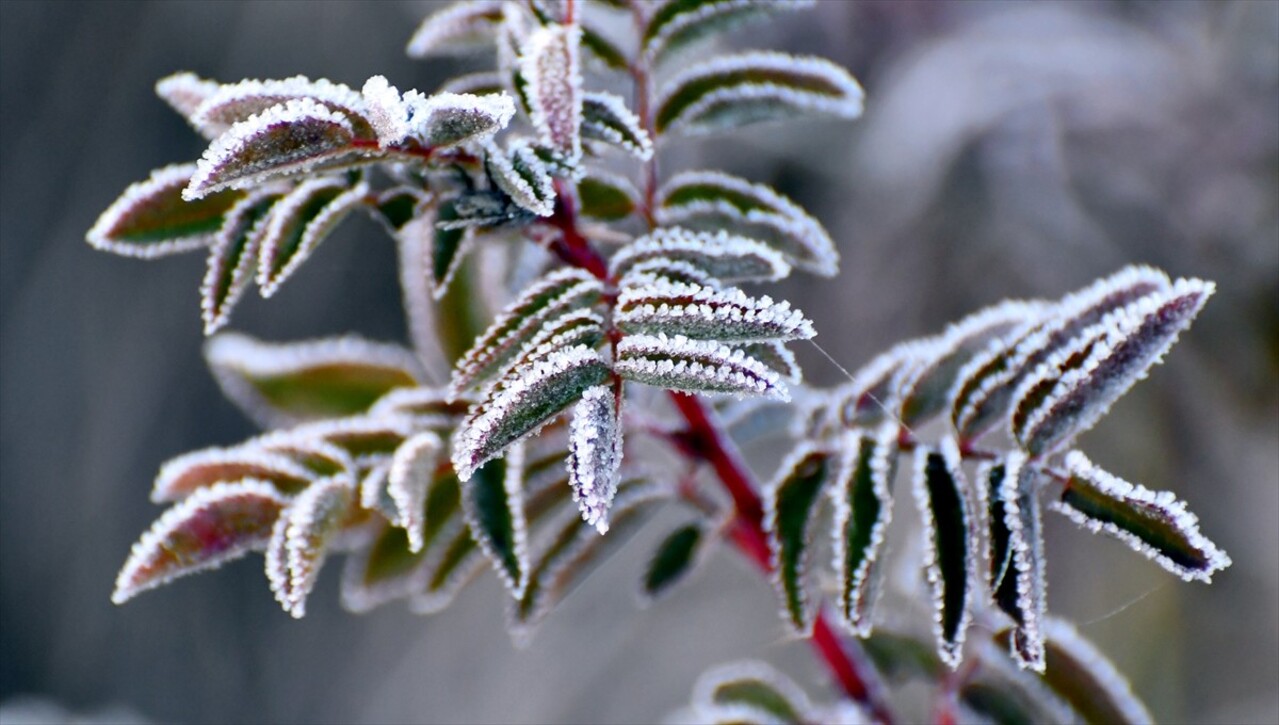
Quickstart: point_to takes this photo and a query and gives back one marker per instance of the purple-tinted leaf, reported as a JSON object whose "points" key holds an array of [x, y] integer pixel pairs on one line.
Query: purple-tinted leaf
{"points": [[579, 327], [299, 222], [212, 526], [449, 119], [550, 64], [754, 87], [292, 138], [232, 258], [285, 383], [521, 175], [235, 103], [702, 313], [595, 453], [1131, 340], [185, 92], [301, 537], [752, 689], [605, 118], [1154, 524], [950, 544], [722, 255], [184, 475], [1017, 554], [791, 504], [150, 219], [676, 24], [863, 501], [462, 27], [777, 357], [409, 480], [695, 366]]}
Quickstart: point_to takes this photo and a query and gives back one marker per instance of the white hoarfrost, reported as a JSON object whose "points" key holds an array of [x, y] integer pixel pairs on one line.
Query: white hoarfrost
{"points": [[412, 469], [232, 257], [1018, 493], [949, 649], [607, 118], [859, 588], [550, 62], [522, 176], [729, 315], [695, 366], [166, 181], [726, 256], [595, 453], [387, 112], [233, 103]]}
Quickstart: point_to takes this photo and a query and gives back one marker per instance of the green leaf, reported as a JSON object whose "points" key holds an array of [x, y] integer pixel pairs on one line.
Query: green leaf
{"points": [[754, 687], [207, 529], [722, 255], [300, 540], [695, 366], [606, 196], [703, 313], [950, 544], [676, 557], [282, 383], [1017, 554], [606, 118], [1084, 678], [493, 502], [299, 222], [150, 219], [677, 24], [232, 257], [863, 510], [754, 87], [791, 504], [602, 50], [409, 481]]}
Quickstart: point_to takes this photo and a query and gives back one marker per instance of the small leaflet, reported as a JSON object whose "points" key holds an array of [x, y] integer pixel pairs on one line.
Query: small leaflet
{"points": [[863, 503], [525, 401], [279, 384], [990, 379], [712, 200], [606, 118], [522, 176], [318, 456], [595, 453], [1132, 340], [790, 516], [412, 470], [579, 327], [777, 357], [1017, 555], [414, 247], [605, 196], [461, 28], [753, 87], [695, 366], [430, 407], [185, 92], [676, 557], [302, 536], [235, 103], [866, 399], [207, 529], [1081, 675], [190, 472], [561, 291], [387, 112], [755, 691], [995, 690], [493, 502], [232, 257], [299, 222], [677, 24], [1155, 524], [702, 313], [674, 270], [722, 255], [287, 139], [150, 219], [366, 439], [550, 64], [949, 543], [448, 119], [482, 83], [602, 52]]}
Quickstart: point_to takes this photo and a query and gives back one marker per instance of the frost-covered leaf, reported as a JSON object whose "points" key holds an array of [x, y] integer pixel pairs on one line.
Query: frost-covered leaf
{"points": [[185, 92], [483, 83], [150, 219], [1081, 675], [603, 51], [571, 551], [292, 138], [606, 196], [522, 176], [1152, 523], [711, 200], [460, 28], [299, 222], [550, 64], [232, 257], [676, 24], [606, 118], [301, 537], [559, 292], [314, 454], [1130, 341], [676, 557], [595, 453], [753, 688], [235, 103], [1016, 559], [866, 399], [579, 327], [365, 439], [190, 472], [722, 255], [791, 504], [480, 209], [493, 501], [695, 366], [449, 247], [985, 386], [523, 402], [863, 503], [995, 690], [429, 407], [282, 383], [949, 543], [702, 313], [754, 87], [777, 357], [409, 479], [448, 119], [212, 526], [663, 268]]}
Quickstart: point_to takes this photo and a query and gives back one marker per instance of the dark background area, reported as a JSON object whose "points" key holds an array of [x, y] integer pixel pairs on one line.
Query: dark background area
{"points": [[1007, 150]]}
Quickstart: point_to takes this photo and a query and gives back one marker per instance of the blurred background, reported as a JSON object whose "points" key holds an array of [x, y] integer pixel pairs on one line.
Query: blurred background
{"points": [[1007, 150]]}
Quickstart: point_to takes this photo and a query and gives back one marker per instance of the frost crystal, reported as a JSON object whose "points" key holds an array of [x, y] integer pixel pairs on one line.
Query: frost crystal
{"points": [[726, 256], [459, 28], [388, 114], [695, 366], [595, 444], [1153, 523], [550, 64], [698, 312]]}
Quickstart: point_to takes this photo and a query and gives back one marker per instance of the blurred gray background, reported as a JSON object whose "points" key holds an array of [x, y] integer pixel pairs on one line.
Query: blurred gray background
{"points": [[1007, 150]]}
